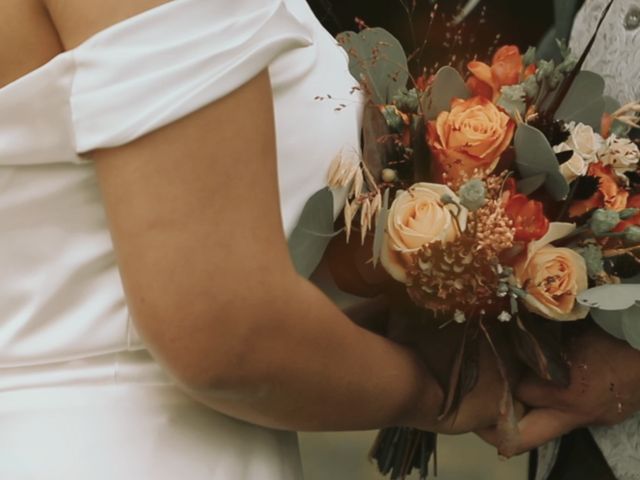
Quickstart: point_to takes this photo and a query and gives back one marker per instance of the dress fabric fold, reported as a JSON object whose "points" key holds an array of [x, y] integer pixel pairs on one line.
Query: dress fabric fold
{"points": [[80, 396]]}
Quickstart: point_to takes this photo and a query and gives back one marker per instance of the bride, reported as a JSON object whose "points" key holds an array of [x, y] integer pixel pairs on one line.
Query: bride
{"points": [[165, 149]]}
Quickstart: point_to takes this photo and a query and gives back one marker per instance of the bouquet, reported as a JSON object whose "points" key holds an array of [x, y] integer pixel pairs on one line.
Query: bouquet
{"points": [[499, 202]]}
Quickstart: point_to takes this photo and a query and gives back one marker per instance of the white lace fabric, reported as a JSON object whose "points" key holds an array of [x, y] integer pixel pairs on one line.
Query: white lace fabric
{"points": [[616, 52], [616, 56]]}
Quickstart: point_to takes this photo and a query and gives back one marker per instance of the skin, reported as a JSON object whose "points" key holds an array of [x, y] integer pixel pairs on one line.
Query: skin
{"points": [[207, 273], [604, 391]]}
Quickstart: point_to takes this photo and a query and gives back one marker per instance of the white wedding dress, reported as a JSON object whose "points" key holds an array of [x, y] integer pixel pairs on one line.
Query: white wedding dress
{"points": [[80, 398], [616, 56]]}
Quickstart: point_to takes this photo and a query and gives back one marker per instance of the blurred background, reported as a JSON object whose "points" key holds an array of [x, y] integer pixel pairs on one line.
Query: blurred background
{"points": [[343, 456]]}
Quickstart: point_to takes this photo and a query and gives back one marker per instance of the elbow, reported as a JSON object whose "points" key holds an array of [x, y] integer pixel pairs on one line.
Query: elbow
{"points": [[227, 348]]}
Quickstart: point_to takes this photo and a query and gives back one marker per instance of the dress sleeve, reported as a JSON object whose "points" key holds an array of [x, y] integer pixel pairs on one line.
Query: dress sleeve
{"points": [[156, 67]]}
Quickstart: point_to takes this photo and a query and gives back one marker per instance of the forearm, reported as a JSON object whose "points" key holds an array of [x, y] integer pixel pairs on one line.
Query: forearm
{"points": [[309, 368]]}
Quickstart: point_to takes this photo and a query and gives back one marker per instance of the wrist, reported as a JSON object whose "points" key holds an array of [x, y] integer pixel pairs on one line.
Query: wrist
{"points": [[424, 403]]}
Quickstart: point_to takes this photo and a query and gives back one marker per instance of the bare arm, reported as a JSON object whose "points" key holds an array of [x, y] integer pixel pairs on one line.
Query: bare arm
{"points": [[195, 217], [194, 214]]}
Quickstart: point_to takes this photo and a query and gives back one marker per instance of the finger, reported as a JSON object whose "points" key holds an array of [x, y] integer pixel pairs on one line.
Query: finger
{"points": [[539, 393], [489, 435], [543, 425], [519, 409]]}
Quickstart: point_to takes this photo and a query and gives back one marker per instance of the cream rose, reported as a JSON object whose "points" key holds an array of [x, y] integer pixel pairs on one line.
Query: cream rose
{"points": [[472, 136], [574, 167], [621, 153], [418, 217], [584, 141], [553, 277]]}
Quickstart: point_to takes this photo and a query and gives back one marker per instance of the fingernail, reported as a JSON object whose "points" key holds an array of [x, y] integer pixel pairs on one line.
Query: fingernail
{"points": [[502, 458]]}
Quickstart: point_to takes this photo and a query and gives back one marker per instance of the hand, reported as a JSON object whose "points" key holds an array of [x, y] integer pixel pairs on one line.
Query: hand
{"points": [[604, 390], [480, 408]]}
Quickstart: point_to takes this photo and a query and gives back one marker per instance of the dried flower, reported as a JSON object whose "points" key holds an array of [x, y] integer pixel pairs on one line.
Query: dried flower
{"points": [[454, 275], [343, 169], [389, 175], [459, 316]]}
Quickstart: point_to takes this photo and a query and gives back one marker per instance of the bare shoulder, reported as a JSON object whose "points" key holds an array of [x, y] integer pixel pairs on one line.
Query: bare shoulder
{"points": [[28, 38], [77, 20]]}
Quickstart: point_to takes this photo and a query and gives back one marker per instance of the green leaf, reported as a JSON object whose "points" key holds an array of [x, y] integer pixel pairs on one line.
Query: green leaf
{"points": [[313, 233], [381, 225], [529, 185], [376, 59], [622, 324], [611, 104], [534, 156], [584, 103], [611, 297], [447, 85], [610, 321], [631, 326], [376, 148]]}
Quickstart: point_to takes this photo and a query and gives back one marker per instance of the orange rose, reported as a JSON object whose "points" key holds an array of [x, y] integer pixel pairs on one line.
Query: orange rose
{"points": [[506, 69], [610, 195], [553, 277], [471, 137]]}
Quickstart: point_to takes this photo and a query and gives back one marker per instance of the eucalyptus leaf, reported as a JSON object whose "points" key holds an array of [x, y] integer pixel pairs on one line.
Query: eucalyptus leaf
{"points": [[447, 85], [375, 151], [534, 156], [529, 185], [611, 297], [313, 233], [381, 225], [584, 103], [631, 326], [610, 321], [611, 104], [377, 59]]}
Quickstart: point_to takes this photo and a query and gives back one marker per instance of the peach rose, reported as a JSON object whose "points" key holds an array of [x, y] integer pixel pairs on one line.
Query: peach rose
{"points": [[418, 217], [553, 277], [472, 136]]}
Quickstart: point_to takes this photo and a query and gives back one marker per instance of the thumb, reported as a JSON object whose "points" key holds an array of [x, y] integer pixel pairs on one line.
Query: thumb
{"points": [[543, 425]]}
